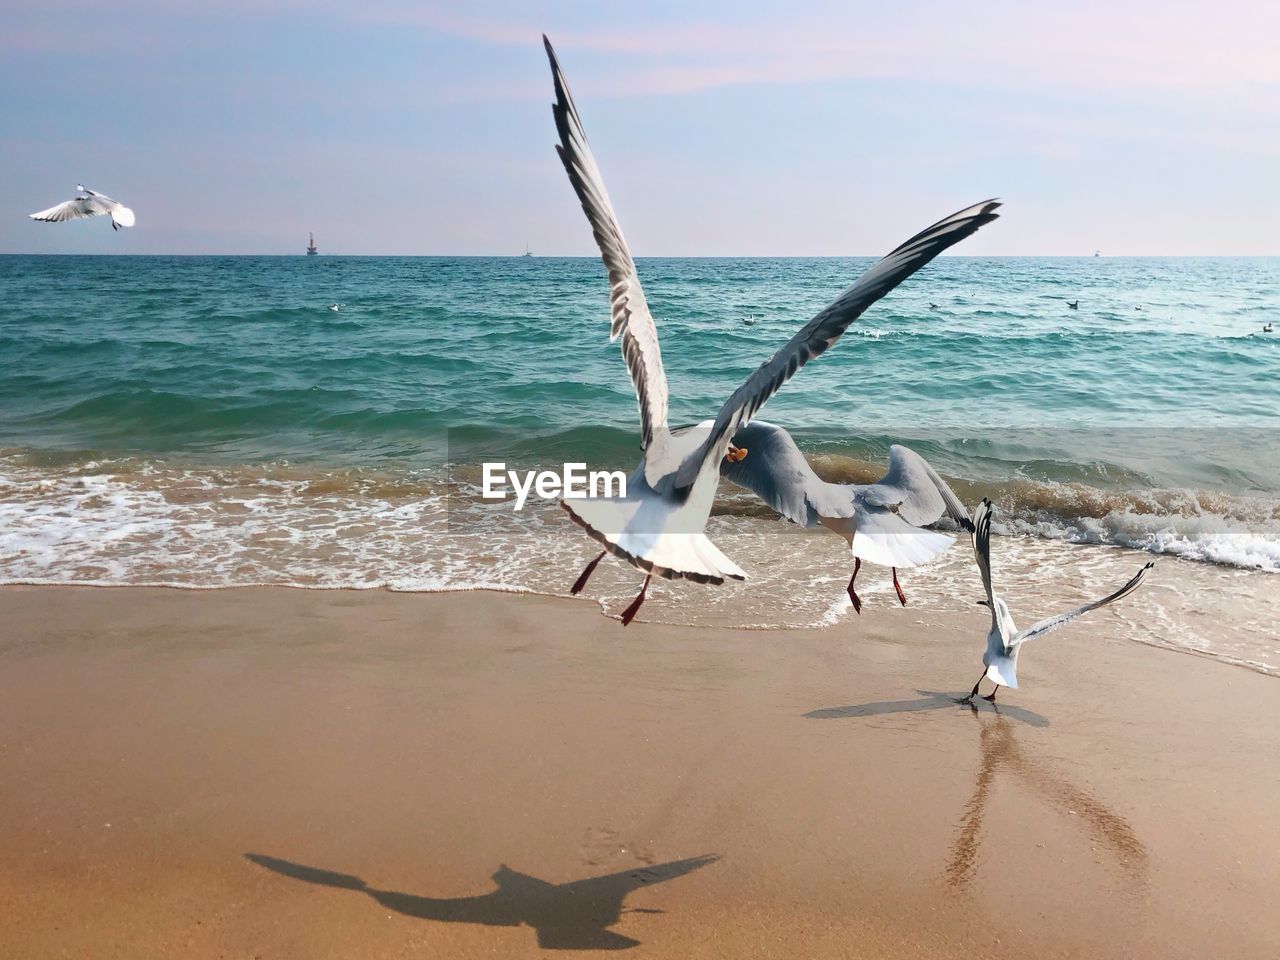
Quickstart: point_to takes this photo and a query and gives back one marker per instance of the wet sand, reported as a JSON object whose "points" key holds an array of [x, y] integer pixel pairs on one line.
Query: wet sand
{"points": [[281, 773]]}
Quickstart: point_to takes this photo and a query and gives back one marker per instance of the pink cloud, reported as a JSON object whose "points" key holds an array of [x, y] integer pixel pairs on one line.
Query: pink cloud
{"points": [[1093, 45]]}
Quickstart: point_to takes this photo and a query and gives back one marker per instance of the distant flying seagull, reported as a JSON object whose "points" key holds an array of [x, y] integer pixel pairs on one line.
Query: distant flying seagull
{"points": [[1073, 304], [881, 521], [658, 526], [90, 205], [1004, 639]]}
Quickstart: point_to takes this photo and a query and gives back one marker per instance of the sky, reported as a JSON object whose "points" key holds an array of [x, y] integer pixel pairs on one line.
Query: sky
{"points": [[725, 128]]}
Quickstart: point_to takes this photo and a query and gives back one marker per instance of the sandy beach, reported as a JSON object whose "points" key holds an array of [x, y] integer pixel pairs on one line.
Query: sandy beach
{"points": [[283, 773]]}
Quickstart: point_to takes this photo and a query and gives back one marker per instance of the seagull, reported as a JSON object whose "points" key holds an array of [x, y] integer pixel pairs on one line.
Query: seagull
{"points": [[881, 520], [1004, 639], [750, 321], [90, 205], [933, 306], [1266, 328], [658, 525], [335, 307], [1073, 304]]}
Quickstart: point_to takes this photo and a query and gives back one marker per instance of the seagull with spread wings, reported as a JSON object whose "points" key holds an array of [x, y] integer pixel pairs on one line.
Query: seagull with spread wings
{"points": [[882, 521], [1004, 639], [658, 525], [90, 204]]}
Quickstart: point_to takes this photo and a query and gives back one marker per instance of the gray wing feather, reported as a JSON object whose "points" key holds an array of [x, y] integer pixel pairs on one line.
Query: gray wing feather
{"points": [[982, 552], [776, 471], [1053, 623], [76, 209], [631, 318], [828, 326], [916, 490]]}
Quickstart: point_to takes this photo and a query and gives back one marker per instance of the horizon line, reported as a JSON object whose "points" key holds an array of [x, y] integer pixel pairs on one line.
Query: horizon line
{"points": [[663, 256]]}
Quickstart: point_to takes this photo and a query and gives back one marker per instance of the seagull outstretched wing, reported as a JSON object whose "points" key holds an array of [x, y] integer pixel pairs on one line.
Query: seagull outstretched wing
{"points": [[631, 317], [1053, 623], [828, 326]]}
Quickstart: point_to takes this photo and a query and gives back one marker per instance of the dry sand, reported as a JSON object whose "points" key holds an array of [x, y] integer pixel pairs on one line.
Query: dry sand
{"points": [[287, 774]]}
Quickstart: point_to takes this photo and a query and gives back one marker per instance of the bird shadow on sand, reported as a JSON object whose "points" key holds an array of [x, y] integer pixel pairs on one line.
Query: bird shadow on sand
{"points": [[929, 700], [566, 916], [1000, 755]]}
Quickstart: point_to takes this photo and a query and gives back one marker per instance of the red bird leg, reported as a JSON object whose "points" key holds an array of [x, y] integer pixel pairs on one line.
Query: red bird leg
{"points": [[902, 597], [629, 614], [853, 594], [586, 574]]}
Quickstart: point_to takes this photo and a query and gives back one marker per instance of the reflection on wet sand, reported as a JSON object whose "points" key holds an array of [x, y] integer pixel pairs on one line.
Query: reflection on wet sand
{"points": [[1000, 751], [566, 916]]}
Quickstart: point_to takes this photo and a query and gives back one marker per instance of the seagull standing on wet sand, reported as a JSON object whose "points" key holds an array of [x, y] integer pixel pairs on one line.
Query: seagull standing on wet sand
{"points": [[658, 526], [91, 204], [882, 521], [1004, 639]]}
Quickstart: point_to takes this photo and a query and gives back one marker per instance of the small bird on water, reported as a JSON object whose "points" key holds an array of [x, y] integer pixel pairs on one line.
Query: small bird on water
{"points": [[1073, 304]]}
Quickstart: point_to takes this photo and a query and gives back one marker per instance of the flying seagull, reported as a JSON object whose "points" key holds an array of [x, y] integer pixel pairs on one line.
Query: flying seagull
{"points": [[91, 204], [575, 915], [658, 526], [1004, 639], [881, 520]]}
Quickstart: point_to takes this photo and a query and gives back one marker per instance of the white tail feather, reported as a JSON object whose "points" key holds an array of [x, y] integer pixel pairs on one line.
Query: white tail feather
{"points": [[1004, 671], [652, 535], [887, 539]]}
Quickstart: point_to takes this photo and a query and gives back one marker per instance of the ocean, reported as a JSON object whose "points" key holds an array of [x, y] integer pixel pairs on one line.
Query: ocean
{"points": [[210, 421]]}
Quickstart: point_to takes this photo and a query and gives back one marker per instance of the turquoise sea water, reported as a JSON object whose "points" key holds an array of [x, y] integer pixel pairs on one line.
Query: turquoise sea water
{"points": [[210, 420], [240, 359]]}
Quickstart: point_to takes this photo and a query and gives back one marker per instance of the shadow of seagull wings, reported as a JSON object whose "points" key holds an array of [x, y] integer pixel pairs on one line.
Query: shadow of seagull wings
{"points": [[566, 916]]}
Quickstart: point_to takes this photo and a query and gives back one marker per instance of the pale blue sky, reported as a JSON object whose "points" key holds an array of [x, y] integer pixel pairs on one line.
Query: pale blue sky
{"points": [[724, 128]]}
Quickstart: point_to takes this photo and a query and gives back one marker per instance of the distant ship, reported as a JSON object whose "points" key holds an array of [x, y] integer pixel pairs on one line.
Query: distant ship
{"points": [[311, 245], [1097, 253], [526, 251]]}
